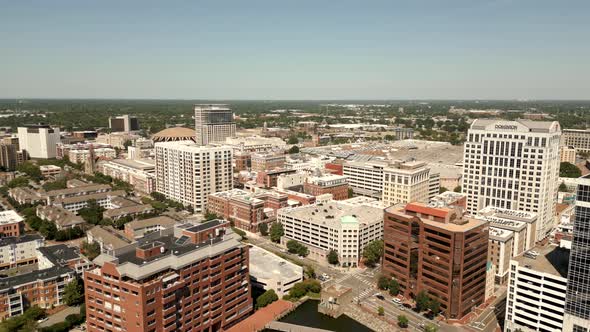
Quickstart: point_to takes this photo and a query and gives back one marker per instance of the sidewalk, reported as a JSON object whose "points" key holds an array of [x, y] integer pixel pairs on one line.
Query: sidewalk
{"points": [[262, 317]]}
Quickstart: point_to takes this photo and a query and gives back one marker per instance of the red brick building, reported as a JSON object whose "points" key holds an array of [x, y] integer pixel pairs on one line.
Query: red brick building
{"points": [[245, 209], [438, 251], [337, 185], [11, 223], [242, 161], [268, 179], [267, 161], [335, 168], [190, 278]]}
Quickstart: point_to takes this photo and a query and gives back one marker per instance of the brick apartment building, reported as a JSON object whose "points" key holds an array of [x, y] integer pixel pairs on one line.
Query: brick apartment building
{"points": [[245, 209], [262, 162], [189, 278], [269, 179], [438, 251], [11, 223], [337, 185]]}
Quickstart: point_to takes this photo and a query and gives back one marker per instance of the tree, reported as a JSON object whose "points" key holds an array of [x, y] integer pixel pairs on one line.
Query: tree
{"points": [[332, 257], [293, 140], [309, 271], [393, 287], [373, 252], [266, 298], [402, 321], [92, 213], [422, 301], [295, 247], [158, 196], [442, 190], [73, 293], [91, 250], [457, 189], [19, 181], [563, 187], [432, 328], [263, 228], [276, 231], [30, 169], [380, 311], [383, 282], [48, 230], [211, 216], [294, 149], [350, 193], [569, 170], [434, 306]]}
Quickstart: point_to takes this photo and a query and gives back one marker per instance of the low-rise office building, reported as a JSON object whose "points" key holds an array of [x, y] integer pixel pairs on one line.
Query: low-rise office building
{"points": [[50, 170], [334, 225], [269, 271], [336, 185], [267, 161], [247, 210]]}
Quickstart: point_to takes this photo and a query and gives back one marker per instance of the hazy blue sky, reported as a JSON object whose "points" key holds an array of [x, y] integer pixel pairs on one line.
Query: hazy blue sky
{"points": [[469, 49]]}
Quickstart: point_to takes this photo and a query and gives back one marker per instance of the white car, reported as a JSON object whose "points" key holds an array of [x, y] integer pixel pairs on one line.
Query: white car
{"points": [[396, 300]]}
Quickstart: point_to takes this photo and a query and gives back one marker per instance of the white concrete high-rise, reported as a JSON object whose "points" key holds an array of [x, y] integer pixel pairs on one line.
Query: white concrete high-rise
{"points": [[39, 141], [213, 123], [513, 165], [188, 173]]}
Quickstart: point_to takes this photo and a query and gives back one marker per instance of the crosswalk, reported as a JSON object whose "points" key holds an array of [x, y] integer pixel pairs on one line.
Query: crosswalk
{"points": [[363, 294]]}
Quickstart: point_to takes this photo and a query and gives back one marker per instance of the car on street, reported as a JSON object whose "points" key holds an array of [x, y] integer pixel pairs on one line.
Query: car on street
{"points": [[396, 300], [380, 297]]}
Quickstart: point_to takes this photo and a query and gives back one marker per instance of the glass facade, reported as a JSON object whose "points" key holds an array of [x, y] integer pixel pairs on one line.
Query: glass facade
{"points": [[578, 292]]}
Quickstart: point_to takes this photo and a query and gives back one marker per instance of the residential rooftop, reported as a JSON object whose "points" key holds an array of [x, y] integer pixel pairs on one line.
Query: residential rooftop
{"points": [[9, 217], [160, 220], [83, 198], [335, 213], [12, 240]]}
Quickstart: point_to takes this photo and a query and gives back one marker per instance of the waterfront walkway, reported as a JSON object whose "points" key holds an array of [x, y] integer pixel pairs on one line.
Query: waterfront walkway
{"points": [[262, 317], [286, 327]]}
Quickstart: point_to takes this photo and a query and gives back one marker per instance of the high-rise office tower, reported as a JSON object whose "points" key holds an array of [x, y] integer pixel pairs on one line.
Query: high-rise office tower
{"points": [[213, 123], [437, 250], [123, 123], [39, 141], [188, 173], [186, 278], [513, 165], [577, 302]]}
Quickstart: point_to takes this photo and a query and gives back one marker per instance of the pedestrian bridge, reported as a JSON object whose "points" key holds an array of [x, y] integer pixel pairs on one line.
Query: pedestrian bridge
{"points": [[286, 327]]}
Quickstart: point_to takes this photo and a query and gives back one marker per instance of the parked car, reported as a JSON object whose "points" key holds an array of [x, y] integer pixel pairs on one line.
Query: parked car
{"points": [[396, 300], [380, 297]]}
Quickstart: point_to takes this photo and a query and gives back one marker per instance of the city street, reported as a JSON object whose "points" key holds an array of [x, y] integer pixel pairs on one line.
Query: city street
{"points": [[488, 319]]}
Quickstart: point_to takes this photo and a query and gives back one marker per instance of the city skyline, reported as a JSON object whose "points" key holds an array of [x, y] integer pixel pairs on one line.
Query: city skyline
{"points": [[381, 50]]}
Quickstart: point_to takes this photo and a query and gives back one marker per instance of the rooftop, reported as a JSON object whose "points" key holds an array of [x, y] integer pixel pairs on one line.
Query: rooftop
{"points": [[12, 240], [335, 213], [266, 265], [79, 189], [520, 125], [82, 198], [551, 259], [59, 254], [109, 236], [161, 220], [9, 217], [190, 146], [141, 208], [174, 133], [139, 164]]}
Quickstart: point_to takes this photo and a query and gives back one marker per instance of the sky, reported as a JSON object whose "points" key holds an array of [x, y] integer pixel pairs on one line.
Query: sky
{"points": [[280, 49]]}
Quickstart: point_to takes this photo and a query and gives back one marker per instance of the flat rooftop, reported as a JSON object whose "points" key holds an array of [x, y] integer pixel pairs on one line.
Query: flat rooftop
{"points": [[139, 164], [266, 265], [552, 259], [335, 213]]}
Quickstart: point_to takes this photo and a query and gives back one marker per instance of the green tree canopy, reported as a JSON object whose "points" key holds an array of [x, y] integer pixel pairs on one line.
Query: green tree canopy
{"points": [[569, 170], [73, 293], [393, 287], [263, 228], [276, 231], [295, 247], [373, 252], [294, 149], [332, 257], [266, 298], [402, 321], [383, 282]]}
